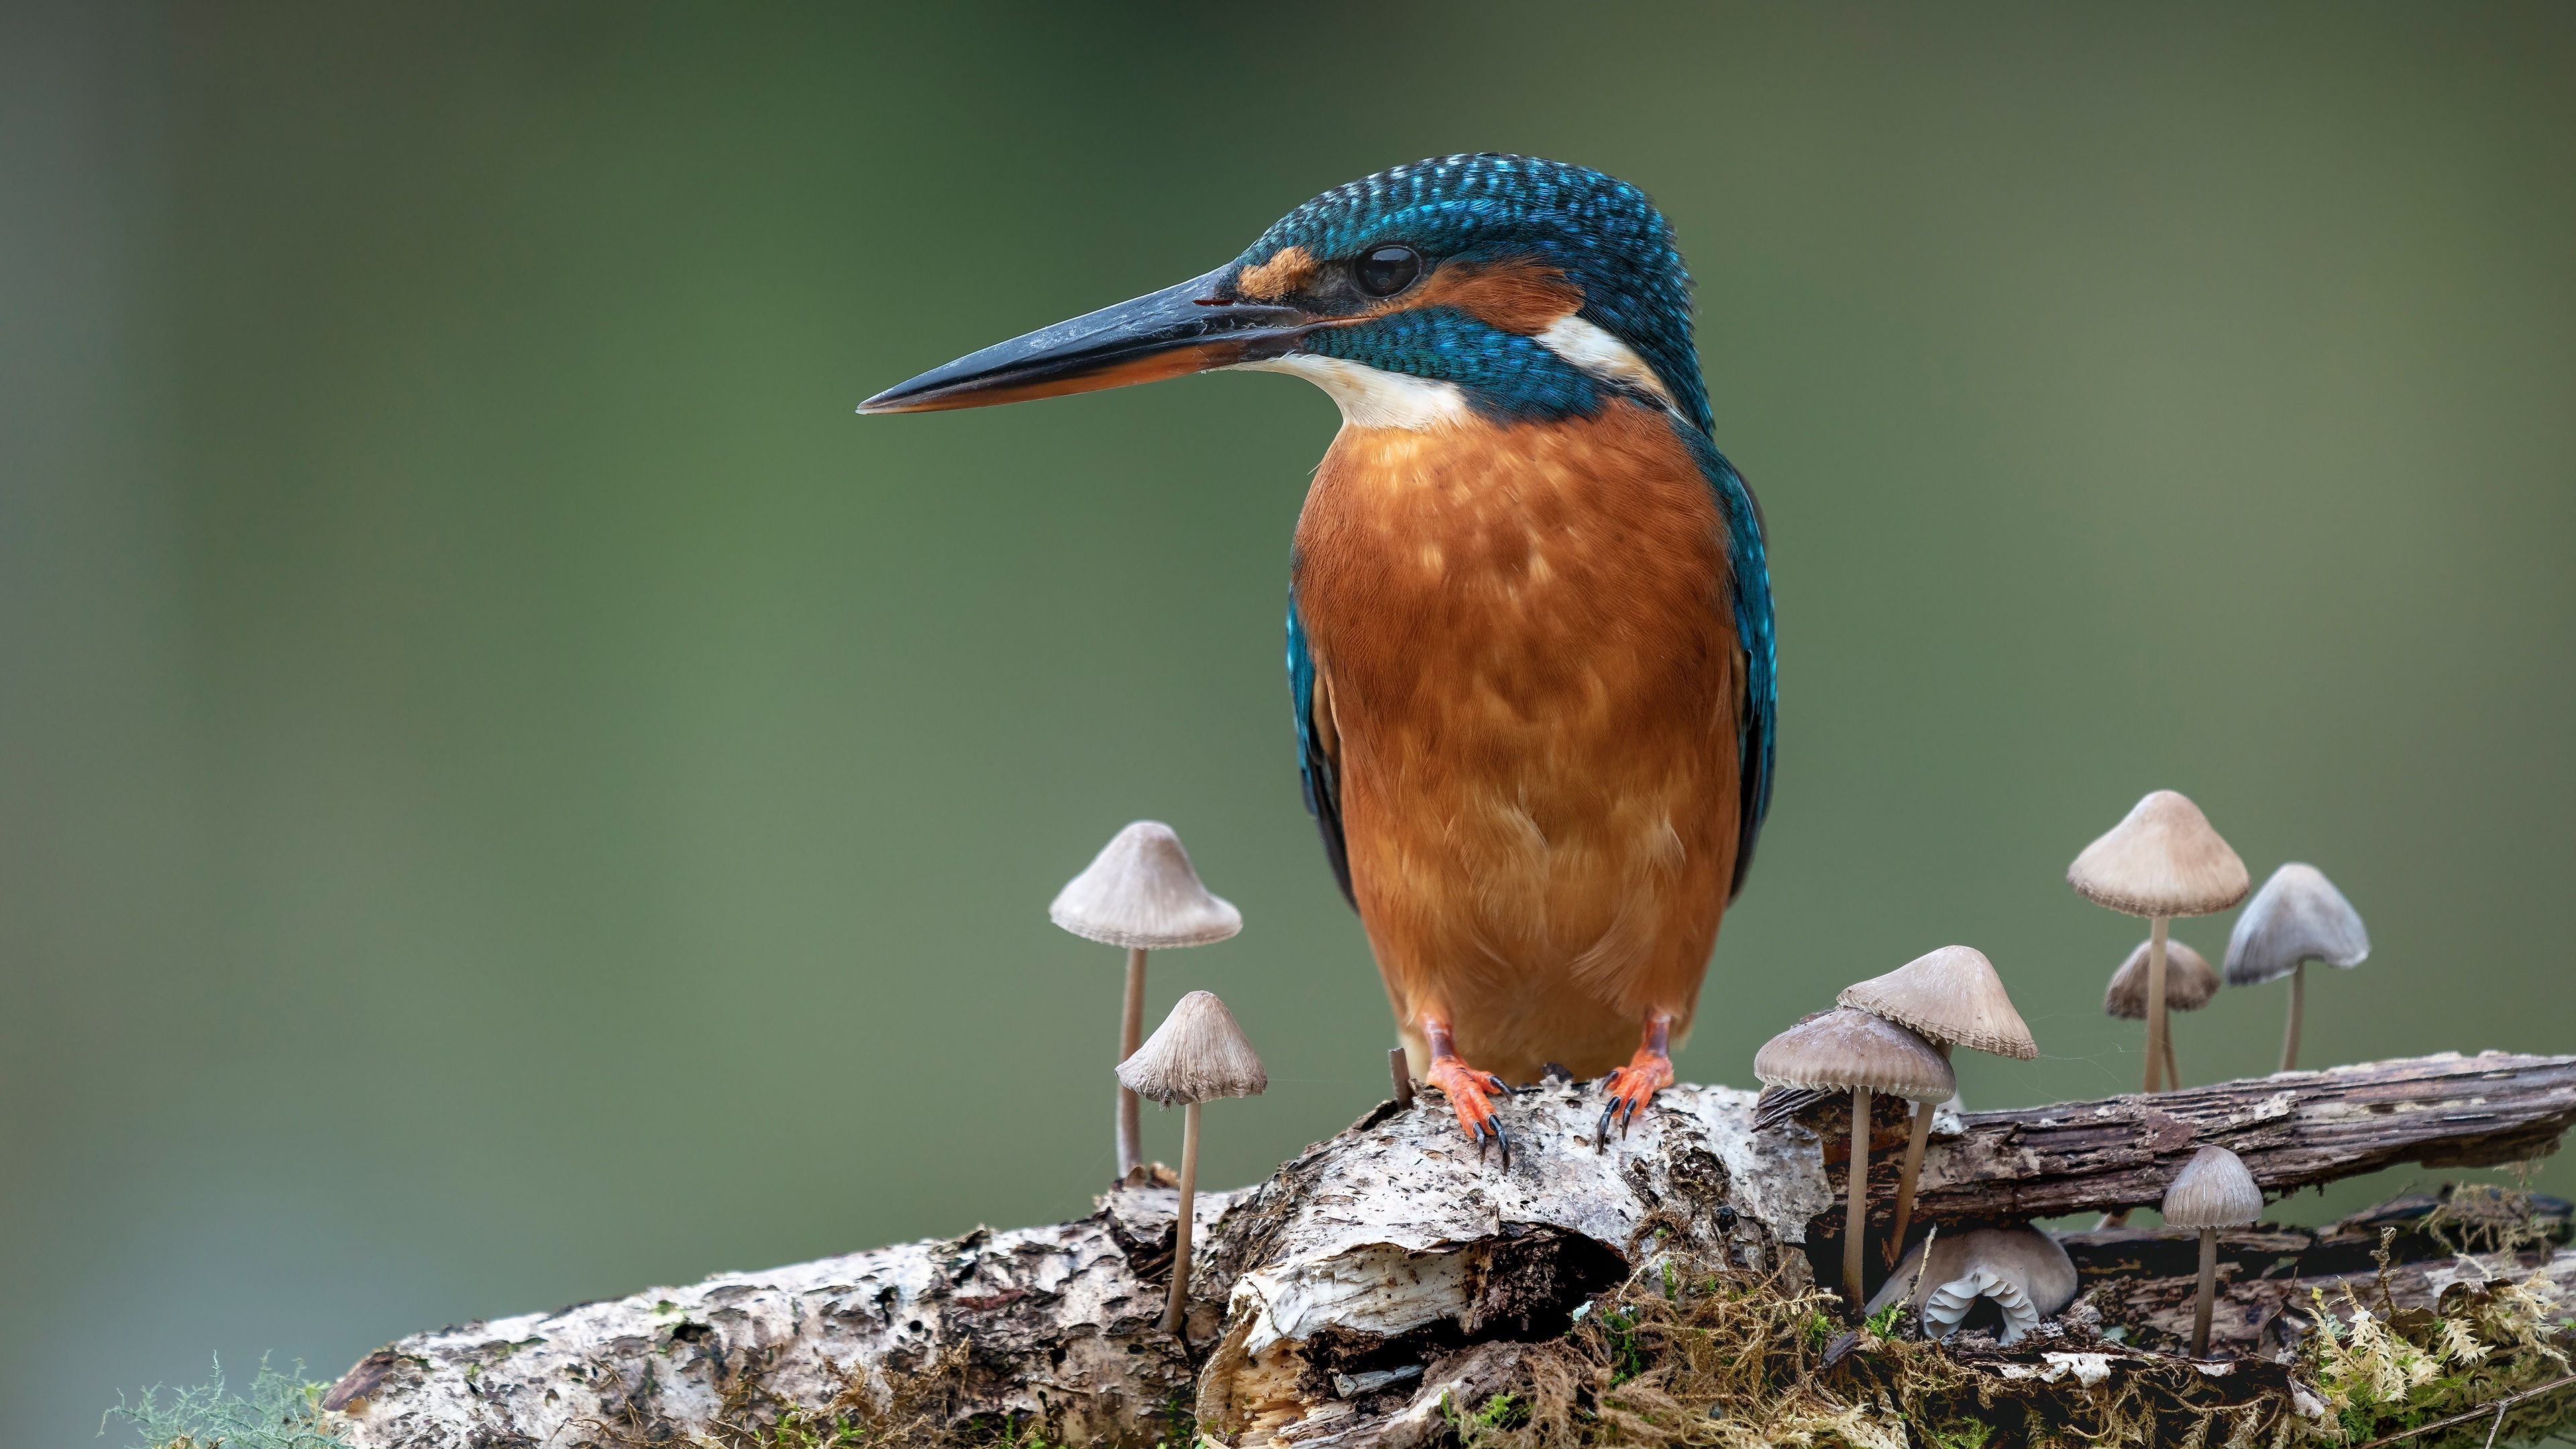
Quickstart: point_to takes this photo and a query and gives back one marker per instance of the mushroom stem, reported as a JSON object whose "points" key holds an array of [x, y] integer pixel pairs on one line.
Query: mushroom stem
{"points": [[1905, 1180], [1403, 1073], [1856, 1212], [2155, 998], [1131, 1033], [2298, 998], [2208, 1289], [1179, 1301], [2173, 1074]]}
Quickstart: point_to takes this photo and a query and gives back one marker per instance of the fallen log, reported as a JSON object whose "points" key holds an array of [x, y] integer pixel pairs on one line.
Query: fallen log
{"points": [[2293, 1129], [1057, 1321], [2267, 1316], [1338, 1300]]}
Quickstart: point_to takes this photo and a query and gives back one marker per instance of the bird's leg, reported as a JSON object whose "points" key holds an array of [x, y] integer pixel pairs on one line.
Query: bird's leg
{"points": [[1469, 1090], [1634, 1085]]}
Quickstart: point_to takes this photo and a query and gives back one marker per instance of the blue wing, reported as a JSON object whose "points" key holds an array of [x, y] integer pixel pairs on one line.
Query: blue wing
{"points": [[1317, 770], [1749, 589]]}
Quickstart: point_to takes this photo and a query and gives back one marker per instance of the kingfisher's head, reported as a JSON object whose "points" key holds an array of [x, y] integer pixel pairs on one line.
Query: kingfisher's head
{"points": [[1487, 284]]}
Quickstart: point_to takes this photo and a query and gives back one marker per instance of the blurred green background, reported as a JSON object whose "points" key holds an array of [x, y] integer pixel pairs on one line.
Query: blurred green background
{"points": [[510, 793]]}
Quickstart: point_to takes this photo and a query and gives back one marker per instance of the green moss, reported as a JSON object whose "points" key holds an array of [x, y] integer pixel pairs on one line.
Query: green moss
{"points": [[283, 1411], [1735, 1361], [2385, 1373], [1883, 1322], [1496, 1421]]}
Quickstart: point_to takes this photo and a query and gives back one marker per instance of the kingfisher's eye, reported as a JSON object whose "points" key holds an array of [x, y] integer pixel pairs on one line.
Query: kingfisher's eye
{"points": [[1385, 271]]}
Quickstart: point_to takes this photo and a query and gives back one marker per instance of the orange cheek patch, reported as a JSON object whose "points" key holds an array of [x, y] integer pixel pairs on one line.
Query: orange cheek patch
{"points": [[1288, 269], [1515, 296]]}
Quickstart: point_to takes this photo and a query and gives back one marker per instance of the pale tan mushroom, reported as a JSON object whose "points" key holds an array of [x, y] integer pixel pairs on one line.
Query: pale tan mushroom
{"points": [[2297, 917], [2163, 860], [2189, 984], [2022, 1271], [1141, 893], [1854, 1051], [1197, 1055], [2212, 1191], [1950, 997]]}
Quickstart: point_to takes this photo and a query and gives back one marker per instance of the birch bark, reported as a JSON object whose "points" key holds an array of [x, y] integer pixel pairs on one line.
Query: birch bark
{"points": [[1336, 1301]]}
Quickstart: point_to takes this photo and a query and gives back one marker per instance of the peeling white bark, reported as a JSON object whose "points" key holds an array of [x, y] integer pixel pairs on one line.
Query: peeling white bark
{"points": [[1389, 1248], [1392, 1241], [1057, 1321]]}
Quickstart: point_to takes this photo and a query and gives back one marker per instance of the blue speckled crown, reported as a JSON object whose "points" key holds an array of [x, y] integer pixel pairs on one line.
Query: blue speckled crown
{"points": [[1600, 231]]}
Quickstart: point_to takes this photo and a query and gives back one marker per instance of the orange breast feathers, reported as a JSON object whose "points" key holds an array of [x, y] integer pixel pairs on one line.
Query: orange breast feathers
{"points": [[1527, 673]]}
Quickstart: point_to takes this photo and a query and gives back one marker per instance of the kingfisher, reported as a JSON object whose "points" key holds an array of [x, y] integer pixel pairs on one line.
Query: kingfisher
{"points": [[1530, 641]]}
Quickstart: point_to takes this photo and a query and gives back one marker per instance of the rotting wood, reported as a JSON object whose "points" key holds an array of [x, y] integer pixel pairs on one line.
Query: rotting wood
{"points": [[1387, 1248], [2293, 1129], [2268, 1316]]}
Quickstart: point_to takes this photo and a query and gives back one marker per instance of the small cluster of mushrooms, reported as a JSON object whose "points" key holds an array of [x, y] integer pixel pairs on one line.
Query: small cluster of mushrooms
{"points": [[1893, 1034], [1141, 892], [2164, 861]]}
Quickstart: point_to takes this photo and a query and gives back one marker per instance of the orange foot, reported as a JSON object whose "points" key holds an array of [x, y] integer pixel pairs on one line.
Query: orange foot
{"points": [[1631, 1087], [1469, 1093]]}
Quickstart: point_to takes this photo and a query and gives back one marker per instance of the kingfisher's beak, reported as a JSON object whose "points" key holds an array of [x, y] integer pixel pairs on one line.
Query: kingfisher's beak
{"points": [[1171, 333]]}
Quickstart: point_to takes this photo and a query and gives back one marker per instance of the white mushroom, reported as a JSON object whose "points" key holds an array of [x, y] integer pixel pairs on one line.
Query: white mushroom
{"points": [[2023, 1270], [2212, 1191], [2162, 860], [2297, 917], [2190, 982], [1854, 1051], [1197, 1055], [1140, 892], [1950, 997]]}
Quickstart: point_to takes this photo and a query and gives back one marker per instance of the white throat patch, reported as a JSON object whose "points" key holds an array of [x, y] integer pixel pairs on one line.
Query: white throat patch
{"points": [[1371, 397]]}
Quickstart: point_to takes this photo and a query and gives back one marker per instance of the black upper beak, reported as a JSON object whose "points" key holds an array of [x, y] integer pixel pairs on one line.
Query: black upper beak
{"points": [[1170, 333]]}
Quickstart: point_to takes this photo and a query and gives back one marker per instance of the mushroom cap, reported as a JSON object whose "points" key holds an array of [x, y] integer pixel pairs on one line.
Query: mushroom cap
{"points": [[1140, 892], [1951, 995], [1845, 1048], [2023, 1269], [2213, 1190], [1198, 1054], [2189, 982], [2164, 859], [2297, 916]]}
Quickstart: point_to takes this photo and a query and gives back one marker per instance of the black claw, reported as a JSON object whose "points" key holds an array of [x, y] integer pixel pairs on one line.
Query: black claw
{"points": [[1630, 1115], [1505, 1135], [1499, 1084], [1601, 1134]]}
